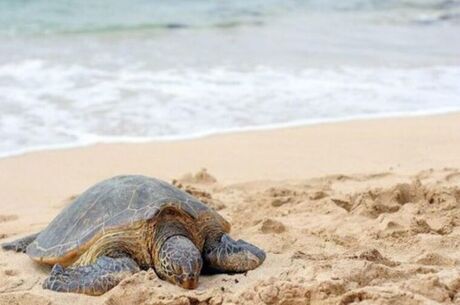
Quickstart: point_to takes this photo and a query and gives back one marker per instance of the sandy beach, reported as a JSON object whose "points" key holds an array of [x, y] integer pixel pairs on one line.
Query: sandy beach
{"points": [[359, 212]]}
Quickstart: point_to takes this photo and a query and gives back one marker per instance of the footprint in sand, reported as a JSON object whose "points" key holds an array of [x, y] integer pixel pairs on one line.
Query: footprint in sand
{"points": [[375, 201]]}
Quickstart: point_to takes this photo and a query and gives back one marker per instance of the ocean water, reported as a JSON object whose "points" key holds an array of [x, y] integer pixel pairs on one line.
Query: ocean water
{"points": [[80, 72]]}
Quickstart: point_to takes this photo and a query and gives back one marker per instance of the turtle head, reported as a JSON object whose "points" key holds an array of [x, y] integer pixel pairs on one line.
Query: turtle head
{"points": [[179, 262]]}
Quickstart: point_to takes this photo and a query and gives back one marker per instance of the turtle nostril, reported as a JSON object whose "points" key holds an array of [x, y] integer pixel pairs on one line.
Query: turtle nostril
{"points": [[190, 281]]}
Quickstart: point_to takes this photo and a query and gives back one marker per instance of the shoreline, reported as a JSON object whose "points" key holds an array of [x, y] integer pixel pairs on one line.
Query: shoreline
{"points": [[362, 146], [93, 140], [319, 139]]}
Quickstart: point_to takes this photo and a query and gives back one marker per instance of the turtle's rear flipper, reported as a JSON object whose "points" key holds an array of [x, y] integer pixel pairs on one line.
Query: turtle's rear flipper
{"points": [[94, 279], [228, 255], [20, 245]]}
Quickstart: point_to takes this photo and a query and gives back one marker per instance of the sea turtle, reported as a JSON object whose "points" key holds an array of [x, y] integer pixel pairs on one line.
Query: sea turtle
{"points": [[128, 223]]}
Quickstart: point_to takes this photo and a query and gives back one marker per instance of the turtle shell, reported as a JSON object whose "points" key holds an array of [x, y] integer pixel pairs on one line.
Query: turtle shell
{"points": [[113, 203]]}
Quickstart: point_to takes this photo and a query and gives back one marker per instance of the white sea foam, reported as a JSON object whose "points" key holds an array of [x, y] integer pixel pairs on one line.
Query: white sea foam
{"points": [[47, 104]]}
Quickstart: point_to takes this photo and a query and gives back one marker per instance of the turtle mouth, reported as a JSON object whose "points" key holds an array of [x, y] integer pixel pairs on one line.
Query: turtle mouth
{"points": [[187, 281]]}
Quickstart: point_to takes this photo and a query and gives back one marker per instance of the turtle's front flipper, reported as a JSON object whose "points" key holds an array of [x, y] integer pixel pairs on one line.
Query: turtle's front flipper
{"points": [[228, 255], [94, 279], [20, 245]]}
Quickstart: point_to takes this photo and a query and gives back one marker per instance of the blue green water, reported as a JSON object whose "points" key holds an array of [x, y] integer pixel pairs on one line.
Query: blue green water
{"points": [[45, 16], [79, 72]]}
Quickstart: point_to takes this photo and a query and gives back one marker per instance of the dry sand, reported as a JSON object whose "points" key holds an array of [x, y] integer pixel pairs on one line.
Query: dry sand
{"points": [[364, 212]]}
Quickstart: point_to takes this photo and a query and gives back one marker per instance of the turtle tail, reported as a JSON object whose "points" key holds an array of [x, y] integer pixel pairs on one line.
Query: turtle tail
{"points": [[19, 245]]}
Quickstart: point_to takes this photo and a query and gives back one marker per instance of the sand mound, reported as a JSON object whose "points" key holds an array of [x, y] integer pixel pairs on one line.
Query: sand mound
{"points": [[201, 176], [363, 239]]}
